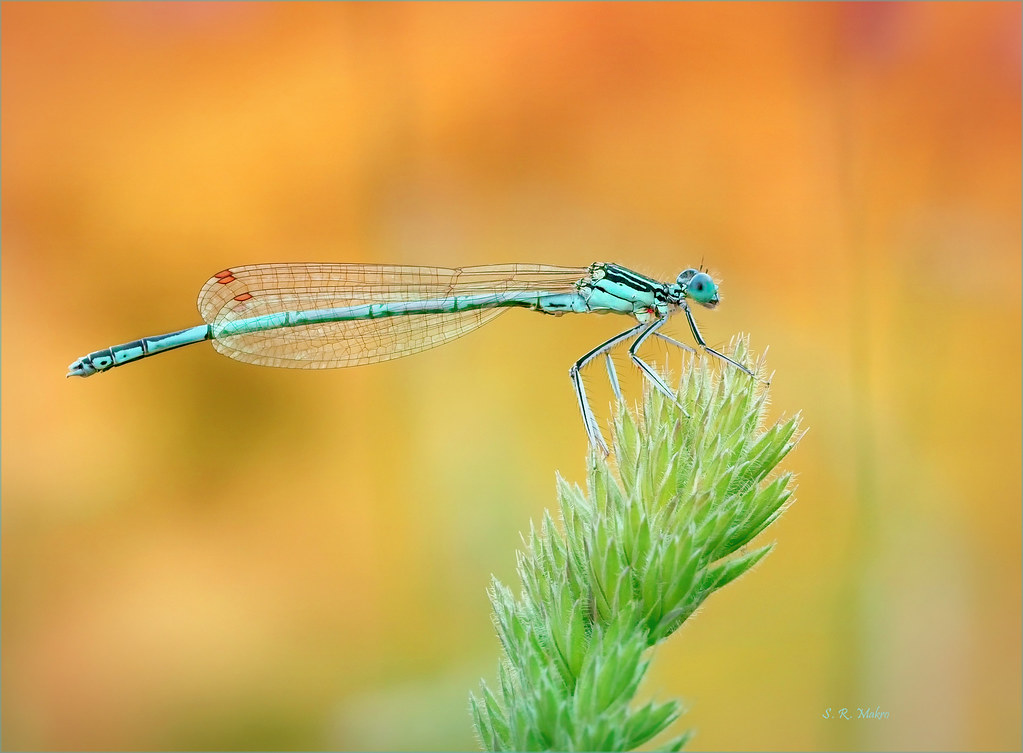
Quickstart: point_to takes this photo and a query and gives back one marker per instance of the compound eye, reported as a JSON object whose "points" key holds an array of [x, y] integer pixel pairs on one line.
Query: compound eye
{"points": [[686, 276], [701, 288]]}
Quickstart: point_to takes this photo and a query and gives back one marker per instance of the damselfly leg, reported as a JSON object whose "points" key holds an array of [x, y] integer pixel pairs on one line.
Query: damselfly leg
{"points": [[674, 342], [612, 375], [612, 372], [702, 343], [653, 376], [589, 420], [641, 332]]}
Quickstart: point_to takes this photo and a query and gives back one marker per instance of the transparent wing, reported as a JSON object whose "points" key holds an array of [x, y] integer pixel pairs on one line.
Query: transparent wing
{"points": [[256, 290]]}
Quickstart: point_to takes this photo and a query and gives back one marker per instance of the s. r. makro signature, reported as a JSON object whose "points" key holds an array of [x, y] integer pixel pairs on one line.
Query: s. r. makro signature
{"points": [[857, 713]]}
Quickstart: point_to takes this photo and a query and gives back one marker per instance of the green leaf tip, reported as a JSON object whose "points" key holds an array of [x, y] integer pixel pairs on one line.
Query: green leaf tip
{"points": [[661, 525]]}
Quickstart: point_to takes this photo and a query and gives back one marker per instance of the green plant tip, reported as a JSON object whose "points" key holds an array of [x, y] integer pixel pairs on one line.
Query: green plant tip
{"points": [[662, 524]]}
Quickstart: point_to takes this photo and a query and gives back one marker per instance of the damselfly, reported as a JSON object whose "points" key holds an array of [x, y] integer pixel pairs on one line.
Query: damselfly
{"points": [[318, 316]]}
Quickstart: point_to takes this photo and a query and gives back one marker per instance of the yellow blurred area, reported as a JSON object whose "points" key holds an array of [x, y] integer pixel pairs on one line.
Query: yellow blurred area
{"points": [[200, 554]]}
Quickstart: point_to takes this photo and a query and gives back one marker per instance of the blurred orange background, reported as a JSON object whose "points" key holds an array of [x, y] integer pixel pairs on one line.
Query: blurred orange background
{"points": [[201, 554]]}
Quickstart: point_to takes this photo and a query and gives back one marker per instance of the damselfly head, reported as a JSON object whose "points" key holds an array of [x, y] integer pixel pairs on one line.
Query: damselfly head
{"points": [[699, 287]]}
